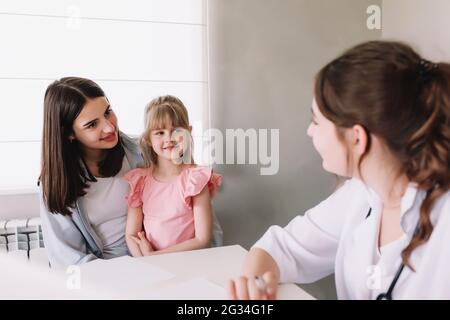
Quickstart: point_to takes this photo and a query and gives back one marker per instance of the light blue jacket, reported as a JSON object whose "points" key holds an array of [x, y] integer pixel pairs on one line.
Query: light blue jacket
{"points": [[71, 240]]}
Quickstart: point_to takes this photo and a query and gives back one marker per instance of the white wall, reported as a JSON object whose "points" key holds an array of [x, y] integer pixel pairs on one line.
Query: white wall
{"points": [[134, 49], [425, 24]]}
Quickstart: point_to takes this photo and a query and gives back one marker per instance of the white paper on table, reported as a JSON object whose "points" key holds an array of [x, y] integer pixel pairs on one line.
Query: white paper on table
{"points": [[122, 276], [193, 289]]}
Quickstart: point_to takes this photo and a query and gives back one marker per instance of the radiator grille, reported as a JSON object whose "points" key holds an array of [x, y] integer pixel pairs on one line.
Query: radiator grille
{"points": [[21, 235]]}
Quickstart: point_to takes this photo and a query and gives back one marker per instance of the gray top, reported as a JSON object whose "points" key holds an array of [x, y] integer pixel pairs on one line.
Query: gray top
{"points": [[106, 214]]}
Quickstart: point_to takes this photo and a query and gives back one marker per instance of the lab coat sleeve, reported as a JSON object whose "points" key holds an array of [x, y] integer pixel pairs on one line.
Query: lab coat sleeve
{"points": [[305, 249], [63, 242]]}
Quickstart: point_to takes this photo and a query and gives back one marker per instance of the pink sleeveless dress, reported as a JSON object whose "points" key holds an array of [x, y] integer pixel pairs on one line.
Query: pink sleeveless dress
{"points": [[167, 206]]}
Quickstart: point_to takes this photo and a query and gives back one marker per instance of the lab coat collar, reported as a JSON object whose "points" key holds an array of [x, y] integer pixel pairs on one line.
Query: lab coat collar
{"points": [[365, 235], [412, 197], [364, 238]]}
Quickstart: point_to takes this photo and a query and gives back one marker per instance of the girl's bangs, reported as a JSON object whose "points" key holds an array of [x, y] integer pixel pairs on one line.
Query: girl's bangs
{"points": [[164, 116]]}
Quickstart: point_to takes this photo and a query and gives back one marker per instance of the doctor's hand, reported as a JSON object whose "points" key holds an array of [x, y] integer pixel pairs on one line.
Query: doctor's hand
{"points": [[252, 288], [143, 243]]}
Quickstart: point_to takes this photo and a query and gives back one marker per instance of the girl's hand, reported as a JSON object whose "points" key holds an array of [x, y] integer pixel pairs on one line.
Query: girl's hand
{"points": [[143, 243], [246, 288]]}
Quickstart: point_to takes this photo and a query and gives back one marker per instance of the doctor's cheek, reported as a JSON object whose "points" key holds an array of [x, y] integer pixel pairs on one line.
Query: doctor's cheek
{"points": [[309, 130]]}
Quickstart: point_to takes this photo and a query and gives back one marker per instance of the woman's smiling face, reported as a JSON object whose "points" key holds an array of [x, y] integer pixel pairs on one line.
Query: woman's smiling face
{"points": [[95, 128]]}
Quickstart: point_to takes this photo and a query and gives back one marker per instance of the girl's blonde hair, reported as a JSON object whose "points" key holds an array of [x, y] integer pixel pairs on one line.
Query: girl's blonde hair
{"points": [[159, 113]]}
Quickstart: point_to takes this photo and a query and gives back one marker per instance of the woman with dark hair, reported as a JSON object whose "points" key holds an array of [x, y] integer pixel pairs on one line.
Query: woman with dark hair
{"points": [[381, 117], [84, 159]]}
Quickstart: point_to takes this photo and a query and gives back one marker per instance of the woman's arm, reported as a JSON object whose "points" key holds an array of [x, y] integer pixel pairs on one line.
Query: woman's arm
{"points": [[64, 243], [203, 225], [305, 250], [133, 230]]}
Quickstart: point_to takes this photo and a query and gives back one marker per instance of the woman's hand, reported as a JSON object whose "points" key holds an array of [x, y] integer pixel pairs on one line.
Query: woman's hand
{"points": [[143, 243], [248, 288]]}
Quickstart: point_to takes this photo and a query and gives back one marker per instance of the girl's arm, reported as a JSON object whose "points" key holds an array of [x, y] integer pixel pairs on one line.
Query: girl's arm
{"points": [[203, 225], [133, 229]]}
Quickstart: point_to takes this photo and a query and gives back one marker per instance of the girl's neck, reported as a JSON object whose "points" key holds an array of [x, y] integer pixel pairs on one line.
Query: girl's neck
{"points": [[167, 169]]}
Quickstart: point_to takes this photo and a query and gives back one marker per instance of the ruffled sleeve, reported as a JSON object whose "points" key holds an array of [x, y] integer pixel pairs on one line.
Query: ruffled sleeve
{"points": [[136, 179], [195, 179]]}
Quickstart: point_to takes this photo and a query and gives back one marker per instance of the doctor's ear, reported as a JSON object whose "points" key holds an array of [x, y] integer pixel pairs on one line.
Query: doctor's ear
{"points": [[359, 139]]}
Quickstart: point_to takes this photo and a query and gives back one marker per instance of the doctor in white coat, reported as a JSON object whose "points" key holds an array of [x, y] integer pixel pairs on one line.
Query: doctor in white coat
{"points": [[381, 117]]}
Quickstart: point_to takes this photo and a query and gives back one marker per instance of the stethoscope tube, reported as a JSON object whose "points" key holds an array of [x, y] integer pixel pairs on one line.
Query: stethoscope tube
{"points": [[388, 294]]}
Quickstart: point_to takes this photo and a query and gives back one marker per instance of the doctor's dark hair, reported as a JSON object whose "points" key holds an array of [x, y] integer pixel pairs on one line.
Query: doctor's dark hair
{"points": [[64, 175], [394, 94]]}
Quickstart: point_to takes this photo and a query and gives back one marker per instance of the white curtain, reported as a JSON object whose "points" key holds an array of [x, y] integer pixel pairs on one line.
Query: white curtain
{"points": [[135, 50]]}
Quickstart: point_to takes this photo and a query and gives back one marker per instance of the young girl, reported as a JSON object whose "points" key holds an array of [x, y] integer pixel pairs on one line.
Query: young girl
{"points": [[381, 116], [170, 200]]}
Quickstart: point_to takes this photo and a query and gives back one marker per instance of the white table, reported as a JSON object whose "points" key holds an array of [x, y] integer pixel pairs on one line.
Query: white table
{"points": [[198, 274], [193, 275], [33, 279]]}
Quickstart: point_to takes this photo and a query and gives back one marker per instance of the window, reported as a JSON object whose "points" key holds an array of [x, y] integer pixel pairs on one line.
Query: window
{"points": [[135, 50]]}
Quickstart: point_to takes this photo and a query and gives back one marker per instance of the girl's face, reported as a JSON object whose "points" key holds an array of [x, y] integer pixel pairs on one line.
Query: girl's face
{"points": [[95, 128], [325, 140], [169, 143]]}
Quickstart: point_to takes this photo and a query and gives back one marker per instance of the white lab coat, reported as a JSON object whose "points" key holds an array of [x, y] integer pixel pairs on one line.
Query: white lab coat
{"points": [[335, 236]]}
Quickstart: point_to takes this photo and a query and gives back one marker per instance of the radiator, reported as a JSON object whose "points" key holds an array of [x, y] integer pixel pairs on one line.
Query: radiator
{"points": [[23, 238]]}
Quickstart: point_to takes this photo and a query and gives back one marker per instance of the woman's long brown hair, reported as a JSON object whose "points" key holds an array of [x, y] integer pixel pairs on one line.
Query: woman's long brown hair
{"points": [[388, 89]]}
